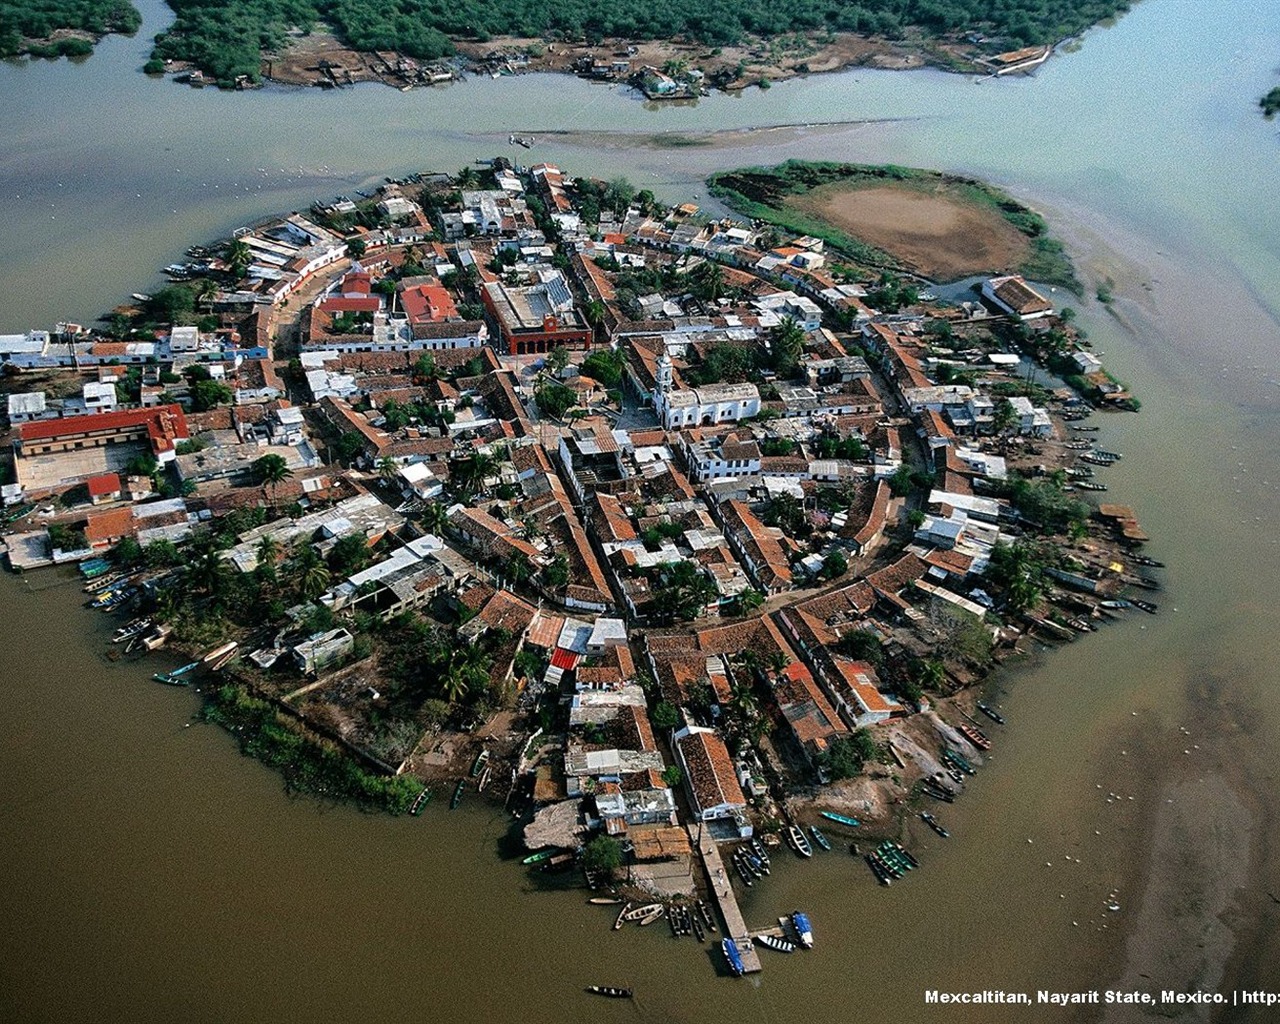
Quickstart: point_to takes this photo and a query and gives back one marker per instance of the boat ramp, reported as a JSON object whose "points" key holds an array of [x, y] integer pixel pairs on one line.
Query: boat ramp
{"points": [[721, 887]]}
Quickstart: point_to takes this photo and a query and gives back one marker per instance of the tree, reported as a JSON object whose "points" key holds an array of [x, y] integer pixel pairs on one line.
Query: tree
{"points": [[238, 256], [846, 756], [618, 195], [709, 278], [208, 394], [387, 468], [672, 775], [749, 600], [665, 715], [424, 369], [835, 565], [271, 471], [1002, 416], [603, 855], [556, 574], [268, 553], [786, 343], [435, 517], [349, 446], [356, 248], [558, 359], [554, 399]]}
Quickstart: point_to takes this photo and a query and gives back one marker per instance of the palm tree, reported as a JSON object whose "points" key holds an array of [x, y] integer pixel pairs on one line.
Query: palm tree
{"points": [[238, 256], [749, 600], [710, 277], [466, 177], [268, 555], [315, 581], [435, 518], [387, 468], [787, 344], [271, 471]]}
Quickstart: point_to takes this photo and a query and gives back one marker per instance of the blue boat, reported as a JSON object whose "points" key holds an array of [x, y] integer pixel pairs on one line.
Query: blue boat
{"points": [[178, 677], [732, 955], [804, 930], [841, 819]]}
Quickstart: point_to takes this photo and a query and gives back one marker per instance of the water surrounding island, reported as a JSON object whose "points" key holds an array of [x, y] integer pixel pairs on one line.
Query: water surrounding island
{"points": [[149, 873]]}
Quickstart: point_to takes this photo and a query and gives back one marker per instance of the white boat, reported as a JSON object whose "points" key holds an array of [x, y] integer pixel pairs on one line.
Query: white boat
{"points": [[799, 841], [639, 913]]}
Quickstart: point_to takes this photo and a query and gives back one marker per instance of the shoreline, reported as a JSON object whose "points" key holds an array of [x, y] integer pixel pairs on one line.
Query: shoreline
{"points": [[320, 60]]}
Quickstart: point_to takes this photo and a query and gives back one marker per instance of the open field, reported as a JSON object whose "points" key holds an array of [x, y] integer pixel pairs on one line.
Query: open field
{"points": [[929, 231]]}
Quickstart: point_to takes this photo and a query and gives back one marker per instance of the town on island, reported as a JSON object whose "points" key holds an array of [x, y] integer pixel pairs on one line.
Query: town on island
{"points": [[685, 539]]}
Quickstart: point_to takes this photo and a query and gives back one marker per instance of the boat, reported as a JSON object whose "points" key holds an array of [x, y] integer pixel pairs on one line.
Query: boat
{"points": [[1115, 604], [650, 918], [622, 916], [934, 824], [639, 913], [819, 838], [743, 873], [733, 957], [774, 942], [482, 759], [758, 849], [974, 736], [540, 856], [906, 855], [705, 912], [140, 297], [420, 801], [1086, 485], [1094, 459], [1083, 429], [609, 990], [841, 819], [949, 756], [457, 794], [1145, 606], [220, 652], [484, 778], [1102, 453], [130, 630], [800, 922], [798, 841], [157, 637], [604, 901], [1144, 560], [699, 932], [178, 677], [877, 869]]}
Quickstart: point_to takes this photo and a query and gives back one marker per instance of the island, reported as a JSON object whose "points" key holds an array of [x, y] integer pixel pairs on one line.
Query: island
{"points": [[668, 50], [62, 28], [678, 536]]}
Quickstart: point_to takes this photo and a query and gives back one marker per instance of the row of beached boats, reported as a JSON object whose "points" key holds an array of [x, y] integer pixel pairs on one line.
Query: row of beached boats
{"points": [[889, 861]]}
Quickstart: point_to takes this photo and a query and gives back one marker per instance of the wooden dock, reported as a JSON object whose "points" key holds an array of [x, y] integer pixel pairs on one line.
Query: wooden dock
{"points": [[722, 888]]}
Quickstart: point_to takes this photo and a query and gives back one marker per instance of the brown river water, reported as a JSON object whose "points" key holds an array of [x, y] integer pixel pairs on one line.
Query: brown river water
{"points": [[150, 873]]}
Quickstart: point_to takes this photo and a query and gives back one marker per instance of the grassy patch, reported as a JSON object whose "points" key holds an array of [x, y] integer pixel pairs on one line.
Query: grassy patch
{"points": [[308, 763]]}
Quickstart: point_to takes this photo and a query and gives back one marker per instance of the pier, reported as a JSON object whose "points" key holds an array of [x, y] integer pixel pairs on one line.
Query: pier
{"points": [[722, 888]]}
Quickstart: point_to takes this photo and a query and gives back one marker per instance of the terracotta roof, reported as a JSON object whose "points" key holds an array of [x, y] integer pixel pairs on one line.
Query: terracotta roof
{"points": [[108, 526], [711, 776], [103, 484]]}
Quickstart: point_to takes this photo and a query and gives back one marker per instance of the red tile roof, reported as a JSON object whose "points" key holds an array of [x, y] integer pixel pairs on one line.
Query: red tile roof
{"points": [[103, 484]]}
